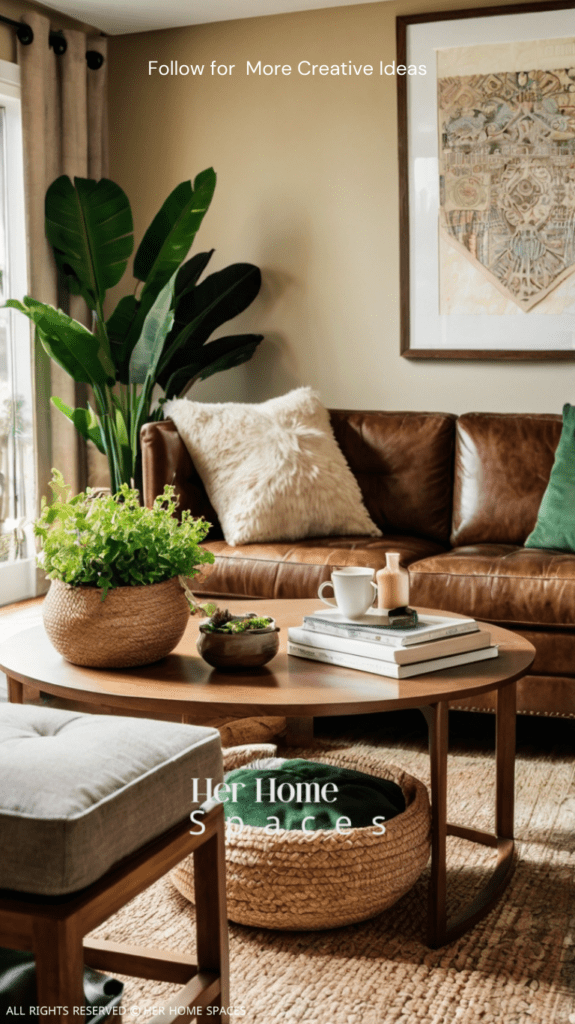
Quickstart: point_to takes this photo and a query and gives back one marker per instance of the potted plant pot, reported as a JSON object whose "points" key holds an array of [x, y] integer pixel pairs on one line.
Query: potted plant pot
{"points": [[133, 626], [118, 596]]}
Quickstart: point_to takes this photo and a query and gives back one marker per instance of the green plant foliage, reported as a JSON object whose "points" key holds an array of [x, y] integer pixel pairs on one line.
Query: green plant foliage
{"points": [[200, 309], [155, 329], [89, 226], [112, 541], [224, 622], [68, 343], [245, 625], [172, 231], [157, 336]]}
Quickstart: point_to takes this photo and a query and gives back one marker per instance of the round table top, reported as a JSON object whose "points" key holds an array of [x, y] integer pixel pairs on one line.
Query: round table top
{"points": [[184, 684]]}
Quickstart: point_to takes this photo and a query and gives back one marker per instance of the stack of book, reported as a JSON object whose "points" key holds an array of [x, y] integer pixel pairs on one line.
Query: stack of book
{"points": [[437, 642]]}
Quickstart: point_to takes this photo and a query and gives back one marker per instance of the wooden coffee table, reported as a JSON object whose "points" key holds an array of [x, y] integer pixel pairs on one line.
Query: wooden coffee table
{"points": [[184, 685]]}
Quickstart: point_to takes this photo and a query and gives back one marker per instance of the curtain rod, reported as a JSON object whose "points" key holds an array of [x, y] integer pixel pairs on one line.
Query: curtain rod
{"points": [[57, 41]]}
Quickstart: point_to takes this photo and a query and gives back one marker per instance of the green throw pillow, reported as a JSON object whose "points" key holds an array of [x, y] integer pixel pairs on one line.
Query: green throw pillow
{"points": [[555, 526], [358, 796]]}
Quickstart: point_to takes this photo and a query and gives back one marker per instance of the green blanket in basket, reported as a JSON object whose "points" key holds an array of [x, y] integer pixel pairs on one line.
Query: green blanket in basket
{"points": [[282, 793]]}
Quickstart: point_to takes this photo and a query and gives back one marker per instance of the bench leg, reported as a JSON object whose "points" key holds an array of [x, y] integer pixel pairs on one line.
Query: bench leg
{"points": [[15, 691], [211, 916], [59, 969]]}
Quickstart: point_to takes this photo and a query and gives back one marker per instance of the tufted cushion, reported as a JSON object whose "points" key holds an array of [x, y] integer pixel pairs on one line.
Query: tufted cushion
{"points": [[79, 792]]}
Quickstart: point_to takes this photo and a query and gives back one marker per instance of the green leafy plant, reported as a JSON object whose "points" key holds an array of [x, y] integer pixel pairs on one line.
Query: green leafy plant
{"points": [[158, 336], [112, 541], [222, 621]]}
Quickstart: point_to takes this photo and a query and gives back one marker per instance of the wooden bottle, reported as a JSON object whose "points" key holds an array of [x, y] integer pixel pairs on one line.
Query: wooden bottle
{"points": [[392, 584]]}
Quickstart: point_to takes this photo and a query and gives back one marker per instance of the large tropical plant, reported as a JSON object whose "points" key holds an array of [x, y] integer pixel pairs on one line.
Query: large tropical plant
{"points": [[159, 335]]}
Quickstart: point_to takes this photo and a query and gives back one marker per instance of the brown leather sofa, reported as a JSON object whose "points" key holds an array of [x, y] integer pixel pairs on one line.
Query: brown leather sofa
{"points": [[456, 496]]}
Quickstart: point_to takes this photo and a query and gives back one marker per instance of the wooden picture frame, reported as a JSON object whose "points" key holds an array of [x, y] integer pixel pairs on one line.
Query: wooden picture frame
{"points": [[474, 321]]}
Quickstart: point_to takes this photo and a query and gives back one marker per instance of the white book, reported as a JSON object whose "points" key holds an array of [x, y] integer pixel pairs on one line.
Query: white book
{"points": [[383, 652], [372, 627], [388, 668]]}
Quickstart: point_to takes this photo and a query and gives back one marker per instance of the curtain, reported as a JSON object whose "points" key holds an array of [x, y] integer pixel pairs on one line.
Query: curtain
{"points": [[64, 118]]}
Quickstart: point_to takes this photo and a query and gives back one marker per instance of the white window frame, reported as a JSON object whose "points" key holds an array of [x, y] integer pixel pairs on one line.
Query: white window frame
{"points": [[18, 579]]}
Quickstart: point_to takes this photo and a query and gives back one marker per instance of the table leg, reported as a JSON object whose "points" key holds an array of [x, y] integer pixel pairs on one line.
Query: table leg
{"points": [[505, 761], [440, 930], [15, 691], [299, 732], [438, 722]]}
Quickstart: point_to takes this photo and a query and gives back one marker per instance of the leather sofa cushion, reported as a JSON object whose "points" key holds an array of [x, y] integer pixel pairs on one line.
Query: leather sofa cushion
{"points": [[403, 462], [297, 569], [502, 468], [166, 460], [499, 583]]}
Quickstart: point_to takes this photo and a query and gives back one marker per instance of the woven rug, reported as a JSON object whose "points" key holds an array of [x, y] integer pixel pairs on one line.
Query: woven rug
{"points": [[516, 967]]}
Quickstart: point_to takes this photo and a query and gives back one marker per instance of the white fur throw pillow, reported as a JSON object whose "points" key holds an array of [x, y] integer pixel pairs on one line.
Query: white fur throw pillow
{"points": [[272, 471]]}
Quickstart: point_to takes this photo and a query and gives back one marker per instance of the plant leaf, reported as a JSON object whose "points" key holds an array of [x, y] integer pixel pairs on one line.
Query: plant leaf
{"points": [[233, 351], [118, 327], [84, 421], [66, 341], [169, 237], [141, 414], [221, 354], [119, 323], [125, 448], [166, 244], [89, 225], [125, 323], [157, 325], [190, 272], [220, 297]]}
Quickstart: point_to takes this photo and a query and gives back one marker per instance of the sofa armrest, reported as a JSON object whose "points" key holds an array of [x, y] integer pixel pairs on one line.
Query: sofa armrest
{"points": [[166, 460]]}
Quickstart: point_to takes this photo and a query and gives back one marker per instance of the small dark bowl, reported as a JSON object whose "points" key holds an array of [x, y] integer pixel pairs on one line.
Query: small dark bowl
{"points": [[233, 652]]}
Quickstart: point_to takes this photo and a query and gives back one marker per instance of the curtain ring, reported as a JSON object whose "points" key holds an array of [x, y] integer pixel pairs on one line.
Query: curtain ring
{"points": [[58, 43], [25, 34], [94, 59]]}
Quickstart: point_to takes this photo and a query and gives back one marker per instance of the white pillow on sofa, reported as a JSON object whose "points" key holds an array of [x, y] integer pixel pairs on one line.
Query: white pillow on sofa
{"points": [[272, 471]]}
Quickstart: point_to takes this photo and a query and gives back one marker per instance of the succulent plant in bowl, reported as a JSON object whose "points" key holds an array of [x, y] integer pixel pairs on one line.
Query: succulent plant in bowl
{"points": [[224, 622], [236, 642]]}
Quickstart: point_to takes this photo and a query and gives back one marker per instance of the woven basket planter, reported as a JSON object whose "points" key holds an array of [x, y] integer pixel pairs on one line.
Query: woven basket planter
{"points": [[133, 626], [294, 880]]}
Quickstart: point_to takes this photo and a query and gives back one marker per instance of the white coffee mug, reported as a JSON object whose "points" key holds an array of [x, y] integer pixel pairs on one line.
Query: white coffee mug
{"points": [[353, 588]]}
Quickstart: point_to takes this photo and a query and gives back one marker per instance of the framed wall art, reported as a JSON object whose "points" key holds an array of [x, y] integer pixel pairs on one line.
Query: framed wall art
{"points": [[487, 183]]}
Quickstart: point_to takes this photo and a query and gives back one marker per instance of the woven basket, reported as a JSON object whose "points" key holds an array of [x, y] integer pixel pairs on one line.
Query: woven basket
{"points": [[133, 626], [294, 880]]}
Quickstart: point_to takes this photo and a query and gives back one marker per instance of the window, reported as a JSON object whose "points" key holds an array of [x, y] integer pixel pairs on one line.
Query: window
{"points": [[17, 486]]}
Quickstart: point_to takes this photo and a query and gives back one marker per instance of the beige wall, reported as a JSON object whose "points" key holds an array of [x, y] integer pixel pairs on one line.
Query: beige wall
{"points": [[17, 10], [308, 190]]}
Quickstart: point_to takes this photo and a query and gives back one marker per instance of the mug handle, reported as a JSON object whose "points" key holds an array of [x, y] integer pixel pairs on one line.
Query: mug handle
{"points": [[326, 583], [376, 588]]}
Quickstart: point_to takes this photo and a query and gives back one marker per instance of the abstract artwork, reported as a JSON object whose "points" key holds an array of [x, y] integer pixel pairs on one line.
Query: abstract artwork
{"points": [[507, 177], [487, 183]]}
